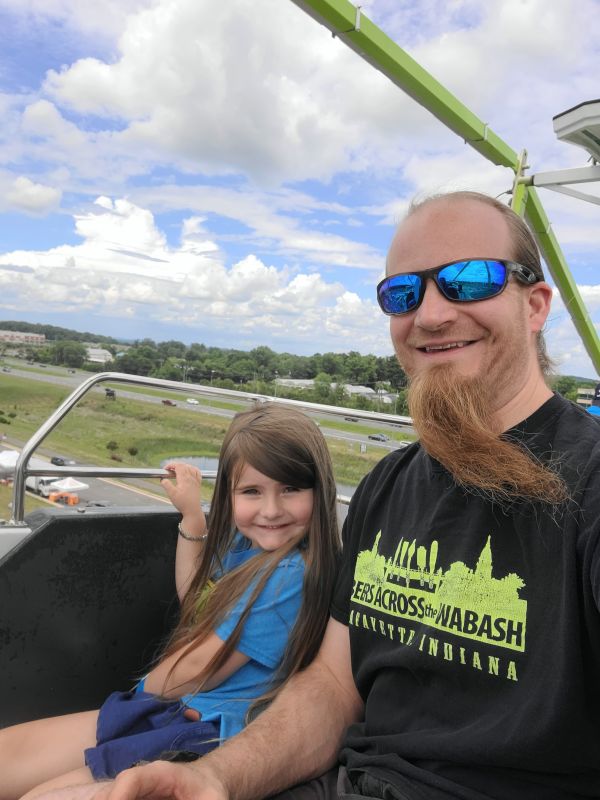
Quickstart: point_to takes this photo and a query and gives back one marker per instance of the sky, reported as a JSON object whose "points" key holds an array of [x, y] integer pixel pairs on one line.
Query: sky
{"points": [[229, 173]]}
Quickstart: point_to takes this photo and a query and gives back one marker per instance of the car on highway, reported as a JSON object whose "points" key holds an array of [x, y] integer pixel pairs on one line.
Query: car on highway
{"points": [[351, 419], [192, 401], [379, 437], [61, 461], [167, 402]]}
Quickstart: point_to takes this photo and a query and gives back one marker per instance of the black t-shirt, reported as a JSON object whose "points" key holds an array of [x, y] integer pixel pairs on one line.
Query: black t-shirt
{"points": [[475, 629]]}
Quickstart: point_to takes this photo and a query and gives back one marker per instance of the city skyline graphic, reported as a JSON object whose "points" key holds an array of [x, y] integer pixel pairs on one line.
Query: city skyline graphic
{"points": [[466, 601]]}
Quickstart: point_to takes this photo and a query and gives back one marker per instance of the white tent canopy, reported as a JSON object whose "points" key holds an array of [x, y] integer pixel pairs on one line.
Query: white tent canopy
{"points": [[69, 485], [8, 458]]}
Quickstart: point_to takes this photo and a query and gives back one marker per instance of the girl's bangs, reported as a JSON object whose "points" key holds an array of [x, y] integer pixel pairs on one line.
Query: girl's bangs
{"points": [[285, 462]]}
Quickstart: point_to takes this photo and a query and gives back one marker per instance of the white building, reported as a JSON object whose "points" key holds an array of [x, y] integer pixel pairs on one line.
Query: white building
{"points": [[295, 383], [97, 355]]}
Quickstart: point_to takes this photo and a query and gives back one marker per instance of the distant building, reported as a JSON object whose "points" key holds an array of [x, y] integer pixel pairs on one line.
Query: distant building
{"points": [[97, 355], [387, 398], [586, 394], [22, 337], [359, 391], [295, 383]]}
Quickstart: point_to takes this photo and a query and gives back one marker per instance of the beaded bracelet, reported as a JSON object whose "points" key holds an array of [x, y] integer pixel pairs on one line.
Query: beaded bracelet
{"points": [[185, 535]]}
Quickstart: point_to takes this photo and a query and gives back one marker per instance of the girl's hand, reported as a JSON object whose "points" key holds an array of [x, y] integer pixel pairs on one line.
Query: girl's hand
{"points": [[184, 490]]}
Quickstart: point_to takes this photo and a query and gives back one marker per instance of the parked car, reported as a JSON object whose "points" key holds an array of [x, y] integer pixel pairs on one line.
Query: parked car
{"points": [[169, 402], [192, 401], [61, 461], [379, 437]]}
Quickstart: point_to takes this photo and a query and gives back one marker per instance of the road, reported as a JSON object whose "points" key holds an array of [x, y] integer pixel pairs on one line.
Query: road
{"points": [[137, 492], [50, 375]]}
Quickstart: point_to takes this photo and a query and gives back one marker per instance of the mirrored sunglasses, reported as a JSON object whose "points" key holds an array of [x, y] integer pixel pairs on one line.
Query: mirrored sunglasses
{"points": [[459, 281]]}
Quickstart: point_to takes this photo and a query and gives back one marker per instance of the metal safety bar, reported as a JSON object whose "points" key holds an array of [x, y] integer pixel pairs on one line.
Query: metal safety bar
{"points": [[22, 471]]}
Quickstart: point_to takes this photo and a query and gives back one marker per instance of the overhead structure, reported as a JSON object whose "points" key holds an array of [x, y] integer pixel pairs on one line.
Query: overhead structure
{"points": [[580, 125], [348, 23]]}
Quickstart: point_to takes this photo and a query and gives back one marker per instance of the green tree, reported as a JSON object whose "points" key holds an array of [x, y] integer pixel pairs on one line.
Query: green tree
{"points": [[170, 370], [402, 403], [64, 351], [74, 354], [241, 369], [565, 385], [172, 349], [263, 357], [322, 387]]}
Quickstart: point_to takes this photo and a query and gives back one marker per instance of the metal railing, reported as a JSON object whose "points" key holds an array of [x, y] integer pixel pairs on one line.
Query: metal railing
{"points": [[22, 470]]}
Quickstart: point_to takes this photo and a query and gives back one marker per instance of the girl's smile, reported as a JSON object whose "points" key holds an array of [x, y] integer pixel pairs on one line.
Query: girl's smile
{"points": [[270, 513]]}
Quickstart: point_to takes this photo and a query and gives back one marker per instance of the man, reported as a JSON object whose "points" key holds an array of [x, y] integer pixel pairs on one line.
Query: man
{"points": [[463, 652]]}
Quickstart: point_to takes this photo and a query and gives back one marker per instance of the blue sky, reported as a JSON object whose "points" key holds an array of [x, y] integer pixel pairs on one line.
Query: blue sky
{"points": [[229, 173]]}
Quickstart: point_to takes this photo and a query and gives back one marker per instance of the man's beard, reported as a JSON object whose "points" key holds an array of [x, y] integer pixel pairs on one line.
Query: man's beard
{"points": [[453, 416]]}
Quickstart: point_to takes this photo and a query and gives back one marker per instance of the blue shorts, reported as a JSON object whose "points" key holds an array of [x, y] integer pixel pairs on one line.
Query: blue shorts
{"points": [[139, 726]]}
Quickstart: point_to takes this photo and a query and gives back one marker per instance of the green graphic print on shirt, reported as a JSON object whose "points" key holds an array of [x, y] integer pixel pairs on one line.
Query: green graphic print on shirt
{"points": [[467, 602]]}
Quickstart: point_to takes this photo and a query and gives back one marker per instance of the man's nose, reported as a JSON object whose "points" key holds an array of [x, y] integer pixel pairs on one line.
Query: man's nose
{"points": [[435, 310]]}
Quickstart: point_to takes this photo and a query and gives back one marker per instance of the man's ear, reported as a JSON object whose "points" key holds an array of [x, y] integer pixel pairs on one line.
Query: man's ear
{"points": [[540, 298]]}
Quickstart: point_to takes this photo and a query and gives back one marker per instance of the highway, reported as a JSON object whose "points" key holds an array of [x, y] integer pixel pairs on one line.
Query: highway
{"points": [[60, 376], [138, 492]]}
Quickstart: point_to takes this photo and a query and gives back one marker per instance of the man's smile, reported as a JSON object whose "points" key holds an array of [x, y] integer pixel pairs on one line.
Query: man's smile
{"points": [[449, 346]]}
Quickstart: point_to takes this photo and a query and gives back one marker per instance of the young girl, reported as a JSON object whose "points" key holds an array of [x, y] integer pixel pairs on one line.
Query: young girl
{"points": [[254, 586]]}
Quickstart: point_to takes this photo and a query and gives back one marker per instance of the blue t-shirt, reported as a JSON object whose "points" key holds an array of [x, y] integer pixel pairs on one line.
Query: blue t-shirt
{"points": [[263, 640]]}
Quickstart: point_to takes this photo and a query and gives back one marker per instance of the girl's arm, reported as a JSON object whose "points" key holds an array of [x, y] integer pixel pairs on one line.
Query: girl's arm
{"points": [[184, 493], [182, 678], [297, 738]]}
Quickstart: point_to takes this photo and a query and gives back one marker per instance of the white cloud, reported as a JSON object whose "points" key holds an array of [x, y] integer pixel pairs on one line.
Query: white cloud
{"points": [[33, 198], [298, 104], [182, 92], [260, 95], [179, 285], [275, 217], [92, 18]]}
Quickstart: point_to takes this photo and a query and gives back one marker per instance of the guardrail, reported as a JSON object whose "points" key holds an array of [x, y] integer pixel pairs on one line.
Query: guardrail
{"points": [[22, 471]]}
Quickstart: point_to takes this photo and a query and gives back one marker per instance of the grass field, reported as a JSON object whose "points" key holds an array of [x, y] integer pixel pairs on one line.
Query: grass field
{"points": [[143, 434]]}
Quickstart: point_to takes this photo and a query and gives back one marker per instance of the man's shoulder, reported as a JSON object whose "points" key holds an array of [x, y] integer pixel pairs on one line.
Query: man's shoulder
{"points": [[573, 428], [392, 466]]}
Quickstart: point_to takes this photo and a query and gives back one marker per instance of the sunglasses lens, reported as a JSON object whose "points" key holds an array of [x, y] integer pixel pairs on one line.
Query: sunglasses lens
{"points": [[472, 280], [399, 294], [462, 281]]}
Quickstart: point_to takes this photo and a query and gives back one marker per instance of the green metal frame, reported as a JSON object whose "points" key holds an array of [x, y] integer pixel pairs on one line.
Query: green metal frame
{"points": [[349, 24]]}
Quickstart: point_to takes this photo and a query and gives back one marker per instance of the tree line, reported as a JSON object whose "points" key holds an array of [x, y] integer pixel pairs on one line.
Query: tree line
{"points": [[254, 370], [258, 371]]}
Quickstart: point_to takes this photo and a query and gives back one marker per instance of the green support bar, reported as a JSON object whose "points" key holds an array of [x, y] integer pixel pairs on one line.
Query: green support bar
{"points": [[349, 24], [554, 258], [340, 16]]}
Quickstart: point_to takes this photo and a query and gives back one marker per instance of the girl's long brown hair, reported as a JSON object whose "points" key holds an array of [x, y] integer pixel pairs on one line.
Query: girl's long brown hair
{"points": [[288, 447]]}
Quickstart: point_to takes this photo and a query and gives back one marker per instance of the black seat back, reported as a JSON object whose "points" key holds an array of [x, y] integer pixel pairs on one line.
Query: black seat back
{"points": [[85, 602]]}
